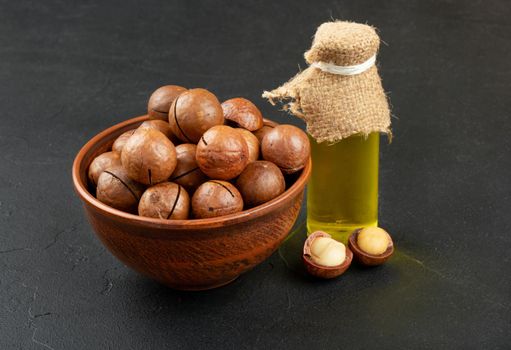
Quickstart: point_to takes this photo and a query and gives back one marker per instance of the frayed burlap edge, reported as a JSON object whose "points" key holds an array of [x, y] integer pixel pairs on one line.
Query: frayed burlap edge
{"points": [[335, 107]]}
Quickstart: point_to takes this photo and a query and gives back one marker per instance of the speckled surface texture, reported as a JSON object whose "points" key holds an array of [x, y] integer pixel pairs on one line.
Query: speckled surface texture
{"points": [[70, 69]]}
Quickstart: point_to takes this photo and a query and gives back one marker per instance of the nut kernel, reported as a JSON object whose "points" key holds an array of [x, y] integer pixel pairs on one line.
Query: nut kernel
{"points": [[327, 252], [373, 240]]}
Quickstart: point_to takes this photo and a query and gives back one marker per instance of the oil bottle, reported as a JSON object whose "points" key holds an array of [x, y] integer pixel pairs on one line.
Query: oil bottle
{"points": [[341, 99], [342, 193]]}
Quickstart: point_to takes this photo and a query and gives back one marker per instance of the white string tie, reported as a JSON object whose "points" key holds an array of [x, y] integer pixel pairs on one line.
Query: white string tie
{"points": [[345, 70]]}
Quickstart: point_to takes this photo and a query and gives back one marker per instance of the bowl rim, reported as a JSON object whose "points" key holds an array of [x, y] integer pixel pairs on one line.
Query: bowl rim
{"points": [[245, 215]]}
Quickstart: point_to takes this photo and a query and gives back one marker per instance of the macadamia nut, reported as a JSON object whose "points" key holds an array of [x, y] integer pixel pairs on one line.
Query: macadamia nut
{"points": [[102, 162], [148, 156], [252, 143], [222, 153], [161, 100], [121, 141], [373, 240], [327, 252], [242, 112], [193, 112], [287, 146], [216, 198]]}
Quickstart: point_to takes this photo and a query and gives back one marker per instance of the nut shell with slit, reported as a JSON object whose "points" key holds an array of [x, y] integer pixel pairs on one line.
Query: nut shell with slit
{"points": [[187, 172], [116, 189], [101, 163], [166, 200], [149, 157], [193, 113], [216, 198], [222, 153], [161, 99]]}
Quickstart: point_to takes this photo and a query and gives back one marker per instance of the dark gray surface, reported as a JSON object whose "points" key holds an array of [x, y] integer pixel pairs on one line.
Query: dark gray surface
{"points": [[69, 70]]}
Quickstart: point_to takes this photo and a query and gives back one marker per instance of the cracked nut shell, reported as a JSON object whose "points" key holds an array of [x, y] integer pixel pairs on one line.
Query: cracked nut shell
{"points": [[166, 200], [260, 182], [320, 271], [216, 198], [222, 153], [187, 173], [161, 99], [117, 190], [287, 146], [149, 157], [365, 258], [100, 163], [193, 112], [243, 113]]}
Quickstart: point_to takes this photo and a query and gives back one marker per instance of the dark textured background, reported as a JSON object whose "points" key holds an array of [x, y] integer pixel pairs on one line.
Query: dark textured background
{"points": [[69, 70]]}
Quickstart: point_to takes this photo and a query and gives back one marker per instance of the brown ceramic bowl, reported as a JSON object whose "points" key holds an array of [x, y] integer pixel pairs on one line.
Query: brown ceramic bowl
{"points": [[187, 254]]}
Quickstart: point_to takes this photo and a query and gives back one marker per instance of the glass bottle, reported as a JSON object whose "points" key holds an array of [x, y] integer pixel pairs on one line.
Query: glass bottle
{"points": [[342, 193]]}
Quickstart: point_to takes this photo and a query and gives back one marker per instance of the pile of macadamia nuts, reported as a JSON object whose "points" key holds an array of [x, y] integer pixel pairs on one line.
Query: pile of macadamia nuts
{"points": [[198, 158]]}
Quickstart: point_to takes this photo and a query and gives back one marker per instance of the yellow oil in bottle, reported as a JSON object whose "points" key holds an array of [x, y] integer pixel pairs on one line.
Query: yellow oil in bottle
{"points": [[342, 193]]}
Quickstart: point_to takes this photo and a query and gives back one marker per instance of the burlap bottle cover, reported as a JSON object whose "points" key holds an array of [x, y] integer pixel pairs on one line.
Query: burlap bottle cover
{"points": [[340, 93]]}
